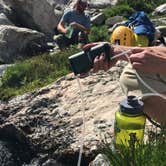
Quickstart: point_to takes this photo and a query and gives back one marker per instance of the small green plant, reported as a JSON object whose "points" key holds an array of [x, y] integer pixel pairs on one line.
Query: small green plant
{"points": [[145, 5], [152, 152], [99, 33], [121, 10], [34, 73]]}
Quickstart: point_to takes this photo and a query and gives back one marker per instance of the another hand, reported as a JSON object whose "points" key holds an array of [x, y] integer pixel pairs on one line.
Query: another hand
{"points": [[100, 62], [74, 24], [148, 60]]}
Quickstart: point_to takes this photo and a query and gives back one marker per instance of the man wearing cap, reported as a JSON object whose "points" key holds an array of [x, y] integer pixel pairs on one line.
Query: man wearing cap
{"points": [[78, 22]]}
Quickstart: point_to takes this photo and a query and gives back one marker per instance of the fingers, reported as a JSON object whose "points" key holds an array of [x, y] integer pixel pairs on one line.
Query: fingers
{"points": [[100, 63], [89, 45], [138, 61], [137, 65], [137, 50], [136, 58], [139, 57]]}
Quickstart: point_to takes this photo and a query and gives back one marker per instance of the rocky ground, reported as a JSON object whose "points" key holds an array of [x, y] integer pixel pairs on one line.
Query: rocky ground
{"points": [[51, 119], [47, 124]]}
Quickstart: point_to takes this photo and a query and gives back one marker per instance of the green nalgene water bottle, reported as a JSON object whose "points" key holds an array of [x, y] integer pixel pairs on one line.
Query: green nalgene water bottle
{"points": [[129, 122]]}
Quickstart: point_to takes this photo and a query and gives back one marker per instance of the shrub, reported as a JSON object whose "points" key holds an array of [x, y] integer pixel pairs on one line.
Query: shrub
{"points": [[35, 72], [122, 10], [146, 5], [150, 153], [99, 33]]}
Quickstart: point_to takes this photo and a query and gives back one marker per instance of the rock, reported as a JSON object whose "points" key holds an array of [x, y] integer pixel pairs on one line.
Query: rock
{"points": [[98, 19], [13, 143], [4, 20], [113, 20], [100, 160], [3, 68], [52, 117], [28, 42], [160, 9], [42, 15], [6, 10], [162, 29], [6, 156], [102, 4]]}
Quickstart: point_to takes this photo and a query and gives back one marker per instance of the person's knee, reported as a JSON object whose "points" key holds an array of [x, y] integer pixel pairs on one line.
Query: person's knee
{"points": [[60, 41], [57, 37]]}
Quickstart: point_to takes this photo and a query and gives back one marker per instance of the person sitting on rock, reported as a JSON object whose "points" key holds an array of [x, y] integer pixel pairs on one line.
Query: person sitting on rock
{"points": [[74, 26]]}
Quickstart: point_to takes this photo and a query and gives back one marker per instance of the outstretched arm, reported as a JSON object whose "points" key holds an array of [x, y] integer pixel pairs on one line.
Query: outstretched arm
{"points": [[150, 60], [81, 27], [61, 27], [146, 59]]}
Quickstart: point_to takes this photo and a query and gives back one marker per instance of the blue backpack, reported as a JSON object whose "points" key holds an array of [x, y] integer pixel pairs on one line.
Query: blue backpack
{"points": [[141, 25]]}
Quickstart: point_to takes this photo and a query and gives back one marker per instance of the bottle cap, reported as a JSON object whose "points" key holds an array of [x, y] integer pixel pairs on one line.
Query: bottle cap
{"points": [[132, 106]]}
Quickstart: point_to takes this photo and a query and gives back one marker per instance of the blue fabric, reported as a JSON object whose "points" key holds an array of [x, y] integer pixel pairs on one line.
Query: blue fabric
{"points": [[71, 16], [142, 25]]}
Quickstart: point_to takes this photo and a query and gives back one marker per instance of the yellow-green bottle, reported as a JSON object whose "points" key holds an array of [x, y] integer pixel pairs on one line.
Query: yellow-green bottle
{"points": [[129, 122]]}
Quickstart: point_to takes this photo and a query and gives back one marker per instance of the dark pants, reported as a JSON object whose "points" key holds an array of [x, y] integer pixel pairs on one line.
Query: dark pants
{"points": [[80, 38]]}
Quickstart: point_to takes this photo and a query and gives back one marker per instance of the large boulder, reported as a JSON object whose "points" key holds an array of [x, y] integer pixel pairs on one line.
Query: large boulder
{"points": [[4, 20], [42, 15], [4, 8], [98, 19], [15, 41], [160, 9], [102, 3], [52, 117]]}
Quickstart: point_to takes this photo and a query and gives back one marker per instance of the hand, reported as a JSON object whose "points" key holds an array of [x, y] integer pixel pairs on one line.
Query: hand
{"points": [[74, 24], [65, 31], [100, 62], [148, 60]]}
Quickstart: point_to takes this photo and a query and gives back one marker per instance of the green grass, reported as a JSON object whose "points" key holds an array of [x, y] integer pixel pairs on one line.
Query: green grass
{"points": [[121, 10], [35, 72], [146, 5], [151, 153], [99, 33]]}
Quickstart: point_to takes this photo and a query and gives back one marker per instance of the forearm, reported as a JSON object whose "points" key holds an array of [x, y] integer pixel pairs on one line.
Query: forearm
{"points": [[159, 58], [87, 30], [83, 28], [161, 49], [61, 28], [162, 65]]}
